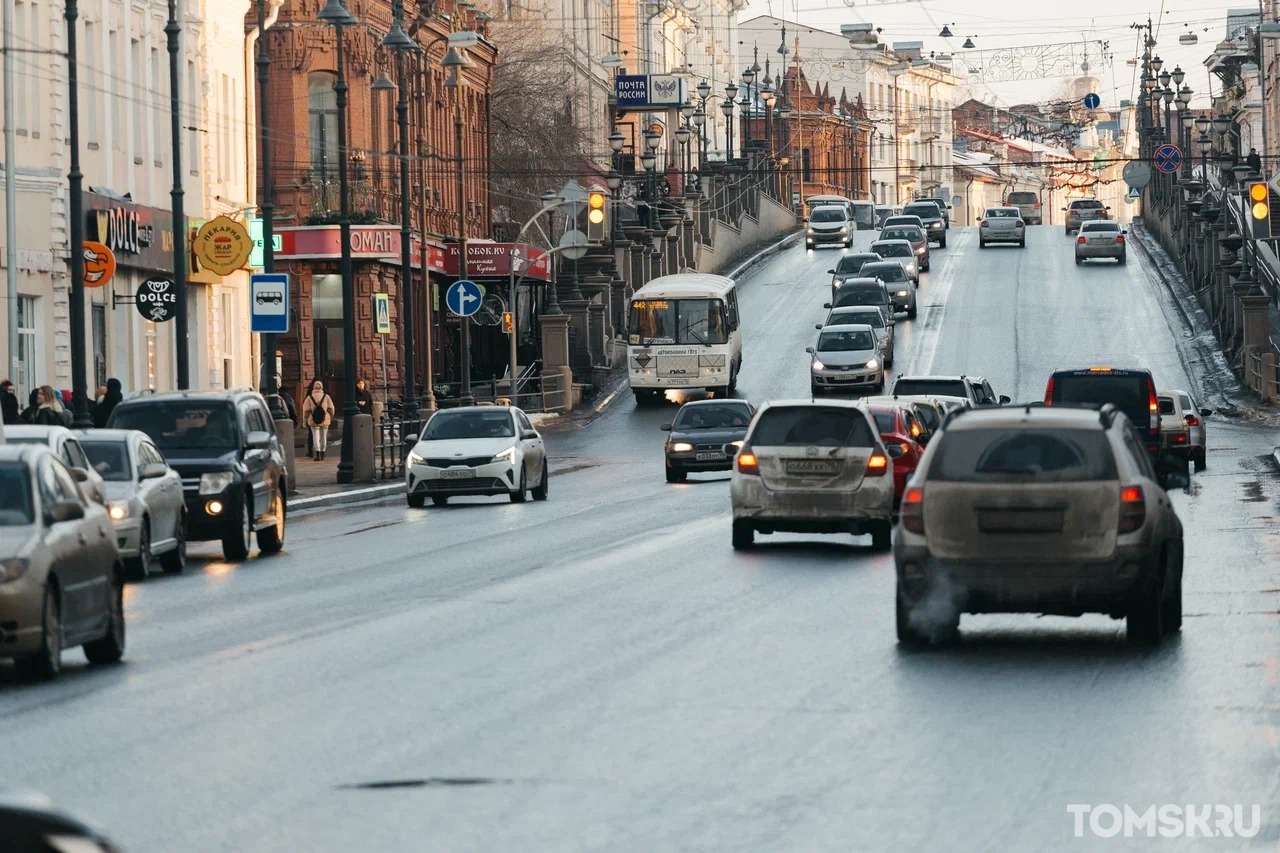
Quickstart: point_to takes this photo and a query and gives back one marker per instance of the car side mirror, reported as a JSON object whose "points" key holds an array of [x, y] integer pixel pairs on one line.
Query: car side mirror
{"points": [[809, 350], [259, 439], [895, 450], [832, 272], [66, 511], [1064, 210], [529, 435], [153, 471], [1173, 473], [1004, 400], [80, 475], [1204, 413], [818, 326], [891, 322], [827, 305], [665, 427]]}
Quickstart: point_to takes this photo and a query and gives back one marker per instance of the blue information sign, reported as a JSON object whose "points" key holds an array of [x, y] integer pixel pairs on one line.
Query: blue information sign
{"points": [[464, 297], [269, 303], [1092, 101]]}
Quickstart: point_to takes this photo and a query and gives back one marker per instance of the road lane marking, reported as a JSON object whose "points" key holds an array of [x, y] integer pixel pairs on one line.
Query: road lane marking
{"points": [[939, 292]]}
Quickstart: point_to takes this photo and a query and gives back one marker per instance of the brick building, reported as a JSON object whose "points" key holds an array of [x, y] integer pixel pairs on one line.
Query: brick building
{"points": [[305, 157]]}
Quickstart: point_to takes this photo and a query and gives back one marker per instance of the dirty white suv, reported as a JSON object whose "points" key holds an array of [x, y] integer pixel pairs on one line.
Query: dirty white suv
{"points": [[1038, 510]]}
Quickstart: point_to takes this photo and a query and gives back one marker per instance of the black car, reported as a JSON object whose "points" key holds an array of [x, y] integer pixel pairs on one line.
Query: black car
{"points": [[862, 291], [699, 433], [1131, 391], [901, 290], [31, 823], [848, 266], [943, 207], [935, 223], [224, 446]]}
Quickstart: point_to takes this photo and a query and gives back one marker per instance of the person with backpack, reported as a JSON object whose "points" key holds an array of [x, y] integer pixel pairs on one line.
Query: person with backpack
{"points": [[317, 413]]}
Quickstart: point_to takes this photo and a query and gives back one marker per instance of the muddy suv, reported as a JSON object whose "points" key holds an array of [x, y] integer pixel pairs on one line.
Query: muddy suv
{"points": [[1038, 509], [1084, 210]]}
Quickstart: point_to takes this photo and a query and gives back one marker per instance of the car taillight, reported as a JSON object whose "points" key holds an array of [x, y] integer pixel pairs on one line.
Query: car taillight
{"points": [[1080, 240], [747, 462], [1180, 438], [1048, 393], [1192, 420], [1036, 205], [1133, 509], [1119, 238], [911, 512], [877, 464]]}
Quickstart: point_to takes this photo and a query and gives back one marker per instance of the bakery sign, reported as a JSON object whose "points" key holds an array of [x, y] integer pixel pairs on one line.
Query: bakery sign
{"points": [[222, 245]]}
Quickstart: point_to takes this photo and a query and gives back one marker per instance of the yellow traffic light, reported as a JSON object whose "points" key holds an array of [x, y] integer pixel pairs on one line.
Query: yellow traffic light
{"points": [[508, 322], [597, 210], [1260, 210]]}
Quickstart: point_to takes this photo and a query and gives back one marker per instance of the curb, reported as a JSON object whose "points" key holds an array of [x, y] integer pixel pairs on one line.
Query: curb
{"points": [[764, 253], [1275, 456], [366, 493]]}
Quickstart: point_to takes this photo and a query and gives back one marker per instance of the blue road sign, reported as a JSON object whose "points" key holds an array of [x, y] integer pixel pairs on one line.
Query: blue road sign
{"points": [[269, 302], [1168, 158], [1092, 101], [382, 313], [1134, 193], [464, 297]]}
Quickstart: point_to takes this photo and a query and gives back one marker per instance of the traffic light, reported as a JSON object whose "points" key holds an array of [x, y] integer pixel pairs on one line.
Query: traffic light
{"points": [[597, 217], [508, 322], [1260, 210]]}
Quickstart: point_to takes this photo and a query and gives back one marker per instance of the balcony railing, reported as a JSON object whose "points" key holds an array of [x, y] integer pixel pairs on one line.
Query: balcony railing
{"points": [[908, 170]]}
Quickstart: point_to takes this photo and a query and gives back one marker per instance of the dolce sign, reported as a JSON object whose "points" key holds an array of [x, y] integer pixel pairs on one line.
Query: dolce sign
{"points": [[157, 299]]}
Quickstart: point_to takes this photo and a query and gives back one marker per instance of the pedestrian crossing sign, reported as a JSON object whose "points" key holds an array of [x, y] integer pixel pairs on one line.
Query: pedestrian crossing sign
{"points": [[1133, 194], [382, 313]]}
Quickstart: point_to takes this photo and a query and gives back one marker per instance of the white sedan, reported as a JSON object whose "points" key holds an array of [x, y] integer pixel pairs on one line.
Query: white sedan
{"points": [[480, 450], [1002, 225]]}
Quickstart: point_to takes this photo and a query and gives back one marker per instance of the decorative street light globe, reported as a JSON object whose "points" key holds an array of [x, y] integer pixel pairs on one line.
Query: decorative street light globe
{"points": [[617, 140]]}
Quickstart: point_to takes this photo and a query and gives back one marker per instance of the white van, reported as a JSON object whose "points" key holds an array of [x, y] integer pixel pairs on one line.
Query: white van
{"points": [[829, 223], [683, 331]]}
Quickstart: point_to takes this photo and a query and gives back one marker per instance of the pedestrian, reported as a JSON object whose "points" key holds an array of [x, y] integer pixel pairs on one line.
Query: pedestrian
{"points": [[364, 400], [48, 408], [317, 413], [9, 408], [111, 397], [287, 399], [1253, 161], [33, 403], [67, 407]]}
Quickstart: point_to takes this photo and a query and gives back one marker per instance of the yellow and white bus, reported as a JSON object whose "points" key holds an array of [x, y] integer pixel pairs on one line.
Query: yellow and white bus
{"points": [[684, 332]]}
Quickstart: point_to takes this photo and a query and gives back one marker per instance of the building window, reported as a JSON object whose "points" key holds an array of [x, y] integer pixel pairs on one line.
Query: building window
{"points": [[27, 354], [91, 70], [194, 105], [322, 110], [99, 346], [806, 171]]}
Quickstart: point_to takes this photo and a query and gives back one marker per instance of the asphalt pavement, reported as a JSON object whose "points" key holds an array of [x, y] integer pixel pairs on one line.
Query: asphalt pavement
{"points": [[602, 672]]}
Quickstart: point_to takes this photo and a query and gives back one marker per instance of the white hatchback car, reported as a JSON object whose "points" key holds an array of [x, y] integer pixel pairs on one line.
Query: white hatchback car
{"points": [[812, 467], [478, 450]]}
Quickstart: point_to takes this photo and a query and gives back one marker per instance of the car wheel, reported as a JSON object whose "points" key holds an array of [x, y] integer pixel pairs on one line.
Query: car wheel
{"points": [[815, 390], [417, 501], [882, 536], [109, 648], [140, 566], [1123, 259], [175, 562], [271, 539], [46, 663], [911, 312], [539, 492], [982, 244], [720, 392], [907, 635], [676, 475], [1022, 244], [880, 385], [236, 543], [1144, 624], [942, 244], [522, 493], [1079, 260], [744, 535], [439, 500], [733, 379], [1200, 461], [1173, 602], [924, 268], [848, 244]]}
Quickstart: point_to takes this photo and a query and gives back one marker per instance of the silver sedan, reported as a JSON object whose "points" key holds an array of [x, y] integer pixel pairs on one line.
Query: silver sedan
{"points": [[144, 499], [1002, 225], [1102, 238]]}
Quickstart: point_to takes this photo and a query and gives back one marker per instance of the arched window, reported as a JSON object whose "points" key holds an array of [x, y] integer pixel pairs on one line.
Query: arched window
{"points": [[322, 110]]}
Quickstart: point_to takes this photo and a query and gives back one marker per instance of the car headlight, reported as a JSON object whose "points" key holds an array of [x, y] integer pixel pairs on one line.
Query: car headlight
{"points": [[11, 570], [873, 364], [817, 365], [215, 482], [844, 230], [737, 443], [812, 232], [902, 292], [681, 447], [920, 251], [508, 456], [118, 510], [414, 459]]}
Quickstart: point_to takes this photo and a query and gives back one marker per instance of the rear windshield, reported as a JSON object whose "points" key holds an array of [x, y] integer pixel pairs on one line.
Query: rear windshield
{"points": [[924, 211], [892, 251], [1003, 213], [1128, 393], [1086, 204], [860, 296], [892, 272], [812, 426], [930, 388], [884, 421], [1166, 406], [1023, 456], [447, 426], [1022, 198], [853, 263], [845, 341], [15, 495], [181, 424], [872, 318], [109, 458], [929, 415], [828, 214], [1106, 225]]}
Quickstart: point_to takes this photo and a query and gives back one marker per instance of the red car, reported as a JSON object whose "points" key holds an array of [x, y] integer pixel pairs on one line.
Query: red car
{"points": [[900, 431]]}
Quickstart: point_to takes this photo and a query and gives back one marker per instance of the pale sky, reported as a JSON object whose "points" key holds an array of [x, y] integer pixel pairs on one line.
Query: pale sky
{"points": [[1066, 29]]}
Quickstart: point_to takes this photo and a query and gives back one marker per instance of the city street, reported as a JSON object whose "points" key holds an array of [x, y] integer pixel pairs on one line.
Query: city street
{"points": [[602, 671]]}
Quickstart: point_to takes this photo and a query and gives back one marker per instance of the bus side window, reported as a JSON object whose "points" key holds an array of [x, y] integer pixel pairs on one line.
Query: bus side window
{"points": [[733, 310]]}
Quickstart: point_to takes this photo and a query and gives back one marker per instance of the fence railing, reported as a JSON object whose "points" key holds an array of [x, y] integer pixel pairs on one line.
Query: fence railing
{"points": [[1260, 372]]}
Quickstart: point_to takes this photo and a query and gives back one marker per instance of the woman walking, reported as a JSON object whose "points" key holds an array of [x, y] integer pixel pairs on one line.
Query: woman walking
{"points": [[9, 408], [48, 410], [317, 413]]}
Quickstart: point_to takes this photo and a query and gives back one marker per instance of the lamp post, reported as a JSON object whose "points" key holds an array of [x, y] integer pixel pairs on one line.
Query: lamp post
{"points": [[75, 251], [180, 332], [456, 63], [726, 108], [1205, 143], [1188, 122], [398, 41], [335, 14], [267, 379], [700, 118]]}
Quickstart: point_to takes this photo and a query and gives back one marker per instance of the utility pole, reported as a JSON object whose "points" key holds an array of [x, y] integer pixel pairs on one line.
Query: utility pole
{"points": [[183, 364], [75, 251], [10, 193], [266, 208]]}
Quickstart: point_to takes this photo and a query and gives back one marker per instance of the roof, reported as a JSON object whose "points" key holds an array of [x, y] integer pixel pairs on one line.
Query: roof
{"points": [[205, 395], [18, 452], [109, 435], [716, 401], [847, 327], [882, 242], [828, 403], [685, 285], [1013, 417], [32, 431]]}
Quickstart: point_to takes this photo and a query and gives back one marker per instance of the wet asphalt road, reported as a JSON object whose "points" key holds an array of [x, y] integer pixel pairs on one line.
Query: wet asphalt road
{"points": [[602, 672]]}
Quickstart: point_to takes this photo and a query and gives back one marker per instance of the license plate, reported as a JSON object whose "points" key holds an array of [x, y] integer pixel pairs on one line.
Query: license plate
{"points": [[458, 474], [812, 467], [709, 456]]}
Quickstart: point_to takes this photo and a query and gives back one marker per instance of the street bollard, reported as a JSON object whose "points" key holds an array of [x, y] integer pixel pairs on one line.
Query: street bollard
{"points": [[362, 449], [284, 432]]}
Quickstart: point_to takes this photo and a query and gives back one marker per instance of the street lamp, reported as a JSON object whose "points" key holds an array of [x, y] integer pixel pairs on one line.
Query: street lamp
{"points": [[682, 136], [1188, 122], [1221, 124], [455, 63], [1184, 95], [1164, 78], [1178, 75], [335, 14], [1203, 124], [75, 255], [267, 379], [704, 89], [1157, 63], [173, 32], [726, 107]]}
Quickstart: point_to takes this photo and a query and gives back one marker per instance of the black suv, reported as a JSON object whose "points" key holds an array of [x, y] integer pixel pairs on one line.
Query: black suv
{"points": [[935, 222], [224, 446]]}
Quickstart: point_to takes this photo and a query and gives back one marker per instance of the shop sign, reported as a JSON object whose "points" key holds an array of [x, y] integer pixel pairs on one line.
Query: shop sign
{"points": [[222, 245], [140, 237], [494, 260], [99, 264], [157, 299]]}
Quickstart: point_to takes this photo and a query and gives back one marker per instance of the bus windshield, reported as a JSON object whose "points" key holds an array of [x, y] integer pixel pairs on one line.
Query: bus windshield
{"points": [[678, 321]]}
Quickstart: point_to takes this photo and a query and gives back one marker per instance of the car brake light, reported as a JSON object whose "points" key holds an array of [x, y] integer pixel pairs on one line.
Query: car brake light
{"points": [[877, 464], [1133, 509], [1180, 438], [1048, 393], [911, 512], [1119, 238], [1192, 420], [747, 462], [1036, 205]]}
